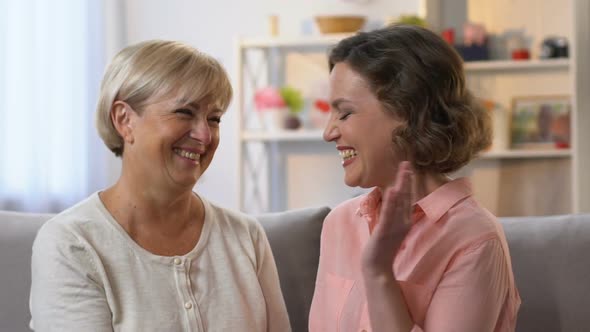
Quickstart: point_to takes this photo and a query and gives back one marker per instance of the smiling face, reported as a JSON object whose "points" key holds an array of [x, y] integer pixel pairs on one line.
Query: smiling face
{"points": [[171, 142], [362, 130]]}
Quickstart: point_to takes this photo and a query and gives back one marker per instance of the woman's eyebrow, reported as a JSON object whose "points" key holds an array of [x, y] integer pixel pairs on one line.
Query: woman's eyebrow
{"points": [[184, 102], [336, 103]]}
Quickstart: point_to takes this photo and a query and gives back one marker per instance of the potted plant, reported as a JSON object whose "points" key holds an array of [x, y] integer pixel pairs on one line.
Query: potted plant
{"points": [[412, 20], [294, 101], [271, 108]]}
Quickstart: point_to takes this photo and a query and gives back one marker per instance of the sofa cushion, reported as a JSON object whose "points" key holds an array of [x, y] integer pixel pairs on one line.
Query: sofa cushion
{"points": [[294, 237], [17, 232], [552, 271]]}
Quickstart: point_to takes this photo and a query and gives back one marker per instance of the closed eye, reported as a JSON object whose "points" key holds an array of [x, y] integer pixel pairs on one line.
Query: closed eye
{"points": [[184, 111], [344, 115], [216, 119]]}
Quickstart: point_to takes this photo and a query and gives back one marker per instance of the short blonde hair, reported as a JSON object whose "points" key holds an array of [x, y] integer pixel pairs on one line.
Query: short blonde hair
{"points": [[145, 72]]}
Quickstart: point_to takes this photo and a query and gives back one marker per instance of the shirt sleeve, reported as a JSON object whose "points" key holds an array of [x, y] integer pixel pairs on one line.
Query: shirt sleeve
{"points": [[472, 293], [65, 294], [276, 310]]}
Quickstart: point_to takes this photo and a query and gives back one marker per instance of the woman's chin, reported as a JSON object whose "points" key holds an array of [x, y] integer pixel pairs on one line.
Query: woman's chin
{"points": [[351, 182], [356, 182], [187, 181]]}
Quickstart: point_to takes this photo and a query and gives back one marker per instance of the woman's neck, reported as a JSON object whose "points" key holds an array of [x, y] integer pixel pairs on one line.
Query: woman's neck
{"points": [[132, 204], [426, 183]]}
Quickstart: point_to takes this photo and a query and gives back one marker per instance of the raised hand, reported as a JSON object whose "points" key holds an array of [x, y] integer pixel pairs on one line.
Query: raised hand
{"points": [[393, 225]]}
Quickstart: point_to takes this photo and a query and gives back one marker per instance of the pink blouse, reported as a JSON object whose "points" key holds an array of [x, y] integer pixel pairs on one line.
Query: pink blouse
{"points": [[453, 267]]}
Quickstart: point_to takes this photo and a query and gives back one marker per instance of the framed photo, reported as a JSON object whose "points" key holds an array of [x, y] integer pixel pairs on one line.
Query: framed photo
{"points": [[540, 122]]}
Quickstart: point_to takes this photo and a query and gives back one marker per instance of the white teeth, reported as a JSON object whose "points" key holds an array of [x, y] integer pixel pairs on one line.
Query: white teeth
{"points": [[347, 154], [187, 154]]}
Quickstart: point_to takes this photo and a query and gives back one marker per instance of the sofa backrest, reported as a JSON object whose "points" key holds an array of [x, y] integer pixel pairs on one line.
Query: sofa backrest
{"points": [[552, 271], [548, 258], [17, 232], [295, 240], [294, 237]]}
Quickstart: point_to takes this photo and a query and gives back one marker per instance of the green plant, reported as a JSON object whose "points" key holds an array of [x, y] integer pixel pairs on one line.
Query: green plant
{"points": [[293, 98], [412, 19]]}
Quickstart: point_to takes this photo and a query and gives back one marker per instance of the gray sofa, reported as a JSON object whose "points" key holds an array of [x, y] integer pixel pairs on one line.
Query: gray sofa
{"points": [[548, 253]]}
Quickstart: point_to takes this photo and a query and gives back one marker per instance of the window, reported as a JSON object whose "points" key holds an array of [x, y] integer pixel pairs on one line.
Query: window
{"points": [[51, 62]]}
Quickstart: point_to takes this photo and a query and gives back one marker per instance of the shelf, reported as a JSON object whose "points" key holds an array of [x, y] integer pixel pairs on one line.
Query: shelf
{"points": [[506, 177], [498, 65], [526, 154], [470, 66], [295, 41], [284, 135], [316, 135]]}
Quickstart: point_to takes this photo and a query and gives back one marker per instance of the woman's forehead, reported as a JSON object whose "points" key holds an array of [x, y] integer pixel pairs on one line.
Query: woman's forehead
{"points": [[347, 83], [198, 102]]}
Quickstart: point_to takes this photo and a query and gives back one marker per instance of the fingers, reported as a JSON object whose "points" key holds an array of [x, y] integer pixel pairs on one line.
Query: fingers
{"points": [[403, 170], [394, 220], [408, 199], [404, 194], [388, 204], [397, 199]]}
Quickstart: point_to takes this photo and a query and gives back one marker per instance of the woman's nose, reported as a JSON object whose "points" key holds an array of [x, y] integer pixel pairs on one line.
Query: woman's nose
{"points": [[201, 131], [331, 132]]}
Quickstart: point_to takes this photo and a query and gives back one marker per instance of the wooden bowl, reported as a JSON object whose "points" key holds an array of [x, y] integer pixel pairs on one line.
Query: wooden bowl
{"points": [[339, 24]]}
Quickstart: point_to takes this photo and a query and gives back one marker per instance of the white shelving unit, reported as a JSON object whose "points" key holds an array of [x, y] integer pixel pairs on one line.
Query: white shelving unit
{"points": [[519, 65], [527, 154], [262, 160], [294, 42], [262, 184], [316, 136], [286, 135]]}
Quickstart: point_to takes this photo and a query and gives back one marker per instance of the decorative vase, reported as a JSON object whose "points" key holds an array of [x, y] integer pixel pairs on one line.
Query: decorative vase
{"points": [[273, 118], [292, 122]]}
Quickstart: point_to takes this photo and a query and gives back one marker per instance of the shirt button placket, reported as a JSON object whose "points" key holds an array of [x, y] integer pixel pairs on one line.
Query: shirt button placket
{"points": [[181, 267], [177, 261]]}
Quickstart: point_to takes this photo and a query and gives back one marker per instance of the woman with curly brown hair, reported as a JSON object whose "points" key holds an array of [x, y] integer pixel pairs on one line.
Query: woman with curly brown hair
{"points": [[418, 253]]}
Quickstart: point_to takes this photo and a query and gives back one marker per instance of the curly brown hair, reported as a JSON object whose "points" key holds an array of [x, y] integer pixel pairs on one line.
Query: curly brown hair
{"points": [[419, 77]]}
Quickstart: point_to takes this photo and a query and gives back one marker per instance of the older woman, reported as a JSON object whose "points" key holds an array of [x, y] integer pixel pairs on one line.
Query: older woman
{"points": [[418, 253], [149, 254]]}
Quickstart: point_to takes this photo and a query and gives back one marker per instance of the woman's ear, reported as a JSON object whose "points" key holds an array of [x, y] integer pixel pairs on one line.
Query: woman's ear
{"points": [[121, 114]]}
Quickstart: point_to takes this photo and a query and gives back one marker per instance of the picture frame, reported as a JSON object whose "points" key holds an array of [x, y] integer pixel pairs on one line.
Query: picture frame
{"points": [[540, 122]]}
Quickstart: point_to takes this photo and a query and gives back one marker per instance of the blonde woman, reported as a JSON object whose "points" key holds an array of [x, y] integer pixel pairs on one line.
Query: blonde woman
{"points": [[149, 254]]}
